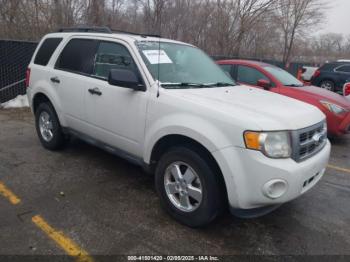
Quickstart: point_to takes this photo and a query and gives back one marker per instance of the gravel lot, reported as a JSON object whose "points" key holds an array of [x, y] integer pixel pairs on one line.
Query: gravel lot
{"points": [[109, 207]]}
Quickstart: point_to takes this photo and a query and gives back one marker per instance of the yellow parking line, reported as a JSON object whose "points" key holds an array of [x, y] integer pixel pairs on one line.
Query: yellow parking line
{"points": [[68, 245], [339, 168], [9, 195]]}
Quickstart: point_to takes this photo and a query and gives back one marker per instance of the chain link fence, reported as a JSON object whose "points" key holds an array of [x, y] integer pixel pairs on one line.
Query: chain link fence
{"points": [[14, 60]]}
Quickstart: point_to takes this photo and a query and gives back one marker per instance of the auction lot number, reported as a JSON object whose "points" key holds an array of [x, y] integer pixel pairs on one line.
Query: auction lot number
{"points": [[173, 258]]}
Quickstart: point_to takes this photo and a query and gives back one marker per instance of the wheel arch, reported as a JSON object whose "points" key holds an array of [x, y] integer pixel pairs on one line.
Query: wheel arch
{"points": [[42, 97], [174, 140], [38, 99]]}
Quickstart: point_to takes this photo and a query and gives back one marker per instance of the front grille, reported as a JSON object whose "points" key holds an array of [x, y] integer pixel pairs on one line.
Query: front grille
{"points": [[309, 141]]}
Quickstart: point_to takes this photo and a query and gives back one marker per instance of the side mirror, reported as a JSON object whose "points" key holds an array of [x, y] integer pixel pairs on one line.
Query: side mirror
{"points": [[264, 84], [125, 78]]}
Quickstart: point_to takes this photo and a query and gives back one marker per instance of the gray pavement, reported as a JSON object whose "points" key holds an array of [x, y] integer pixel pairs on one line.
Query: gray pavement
{"points": [[109, 207]]}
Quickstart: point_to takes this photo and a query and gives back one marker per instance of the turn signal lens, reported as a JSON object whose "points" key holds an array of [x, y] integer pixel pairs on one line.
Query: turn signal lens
{"points": [[252, 140]]}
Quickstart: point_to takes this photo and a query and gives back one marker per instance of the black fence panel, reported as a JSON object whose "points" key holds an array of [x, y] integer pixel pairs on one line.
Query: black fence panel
{"points": [[14, 59]]}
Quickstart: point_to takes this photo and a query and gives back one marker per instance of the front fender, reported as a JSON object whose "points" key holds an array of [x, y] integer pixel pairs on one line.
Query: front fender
{"points": [[194, 127]]}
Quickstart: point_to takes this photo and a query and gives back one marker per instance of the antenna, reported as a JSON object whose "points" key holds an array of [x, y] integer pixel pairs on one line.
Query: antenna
{"points": [[160, 33]]}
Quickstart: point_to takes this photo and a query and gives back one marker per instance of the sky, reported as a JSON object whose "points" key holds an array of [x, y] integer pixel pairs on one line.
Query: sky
{"points": [[338, 17]]}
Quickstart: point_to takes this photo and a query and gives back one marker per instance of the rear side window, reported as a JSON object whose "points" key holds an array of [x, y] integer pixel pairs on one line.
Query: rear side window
{"points": [[344, 69], [328, 67], [46, 50], [78, 56]]}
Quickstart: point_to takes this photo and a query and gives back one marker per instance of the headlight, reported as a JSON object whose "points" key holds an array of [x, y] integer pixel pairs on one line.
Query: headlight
{"points": [[333, 107], [272, 144]]}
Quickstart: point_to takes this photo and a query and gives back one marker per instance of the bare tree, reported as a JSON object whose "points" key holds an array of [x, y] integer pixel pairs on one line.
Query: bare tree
{"points": [[294, 17], [232, 28], [96, 10]]}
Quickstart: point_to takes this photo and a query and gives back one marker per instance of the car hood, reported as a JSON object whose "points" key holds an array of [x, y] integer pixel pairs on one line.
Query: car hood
{"points": [[323, 94], [270, 111]]}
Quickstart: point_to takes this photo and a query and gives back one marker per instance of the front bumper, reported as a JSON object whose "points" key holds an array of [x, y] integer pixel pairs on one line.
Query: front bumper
{"points": [[247, 172]]}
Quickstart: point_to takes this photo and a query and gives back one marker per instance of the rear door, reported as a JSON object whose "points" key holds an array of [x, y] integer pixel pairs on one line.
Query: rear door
{"points": [[72, 78]]}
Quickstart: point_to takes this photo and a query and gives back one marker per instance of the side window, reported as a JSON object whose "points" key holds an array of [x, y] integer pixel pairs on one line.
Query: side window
{"points": [[249, 75], [112, 56], [343, 69], [46, 50], [227, 69], [78, 56]]}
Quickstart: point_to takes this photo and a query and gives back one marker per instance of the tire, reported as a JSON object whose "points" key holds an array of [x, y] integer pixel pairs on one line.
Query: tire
{"points": [[203, 210], [56, 141], [328, 85]]}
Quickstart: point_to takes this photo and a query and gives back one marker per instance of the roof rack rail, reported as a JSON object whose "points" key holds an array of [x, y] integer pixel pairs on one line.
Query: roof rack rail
{"points": [[85, 29], [104, 29], [133, 33]]}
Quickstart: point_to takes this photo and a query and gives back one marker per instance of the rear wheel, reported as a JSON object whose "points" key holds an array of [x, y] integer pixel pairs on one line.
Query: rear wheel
{"points": [[48, 127], [188, 188], [328, 85]]}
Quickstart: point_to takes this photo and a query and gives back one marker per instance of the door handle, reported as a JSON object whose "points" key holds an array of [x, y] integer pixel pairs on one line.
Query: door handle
{"points": [[55, 80], [95, 91]]}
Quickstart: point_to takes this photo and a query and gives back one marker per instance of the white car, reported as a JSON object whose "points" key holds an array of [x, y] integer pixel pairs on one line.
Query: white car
{"points": [[308, 72], [166, 106], [346, 91]]}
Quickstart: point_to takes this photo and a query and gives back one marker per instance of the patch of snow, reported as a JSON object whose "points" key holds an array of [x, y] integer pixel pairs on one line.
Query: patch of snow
{"points": [[18, 102]]}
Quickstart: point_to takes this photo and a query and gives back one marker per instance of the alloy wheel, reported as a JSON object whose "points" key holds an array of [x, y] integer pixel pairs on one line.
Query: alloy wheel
{"points": [[183, 186]]}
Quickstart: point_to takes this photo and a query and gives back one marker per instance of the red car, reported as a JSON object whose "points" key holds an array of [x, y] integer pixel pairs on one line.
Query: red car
{"points": [[347, 90], [275, 79]]}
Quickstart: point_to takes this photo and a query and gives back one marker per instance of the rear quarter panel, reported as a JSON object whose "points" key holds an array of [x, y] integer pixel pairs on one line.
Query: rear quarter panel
{"points": [[40, 82]]}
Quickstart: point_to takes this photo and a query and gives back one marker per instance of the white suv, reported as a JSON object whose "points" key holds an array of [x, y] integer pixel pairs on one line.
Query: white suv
{"points": [[166, 106]]}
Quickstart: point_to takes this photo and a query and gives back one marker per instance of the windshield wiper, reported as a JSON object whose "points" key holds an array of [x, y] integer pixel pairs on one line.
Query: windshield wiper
{"points": [[196, 85], [220, 84], [294, 85], [182, 85]]}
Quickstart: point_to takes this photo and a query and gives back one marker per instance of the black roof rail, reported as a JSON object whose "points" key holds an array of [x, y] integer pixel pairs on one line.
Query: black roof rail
{"points": [[85, 29], [106, 30], [133, 33]]}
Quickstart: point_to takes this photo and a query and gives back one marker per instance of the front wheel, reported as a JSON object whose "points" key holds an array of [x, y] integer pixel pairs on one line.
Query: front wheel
{"points": [[188, 188], [328, 85]]}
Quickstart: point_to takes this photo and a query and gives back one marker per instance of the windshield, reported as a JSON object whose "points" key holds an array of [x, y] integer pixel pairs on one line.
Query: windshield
{"points": [[283, 76], [181, 66]]}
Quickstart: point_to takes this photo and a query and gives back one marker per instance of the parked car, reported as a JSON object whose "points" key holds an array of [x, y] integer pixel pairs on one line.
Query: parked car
{"points": [[347, 91], [308, 72], [166, 106], [277, 80], [332, 76]]}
